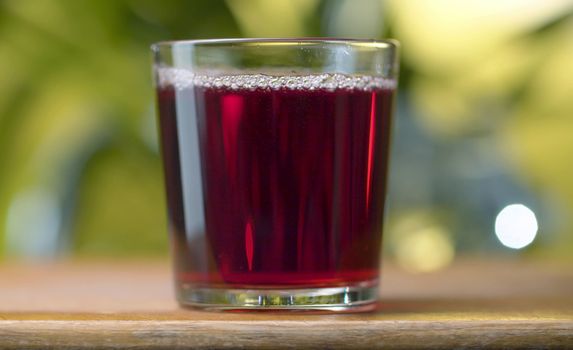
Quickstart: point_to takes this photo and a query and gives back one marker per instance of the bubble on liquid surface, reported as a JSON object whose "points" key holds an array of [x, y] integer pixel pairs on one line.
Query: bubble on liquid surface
{"points": [[184, 79]]}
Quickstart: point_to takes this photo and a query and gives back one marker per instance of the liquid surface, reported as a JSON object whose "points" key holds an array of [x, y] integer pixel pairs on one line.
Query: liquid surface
{"points": [[275, 181]]}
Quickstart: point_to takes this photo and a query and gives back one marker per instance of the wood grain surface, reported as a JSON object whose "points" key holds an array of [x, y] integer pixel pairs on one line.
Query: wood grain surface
{"points": [[473, 304]]}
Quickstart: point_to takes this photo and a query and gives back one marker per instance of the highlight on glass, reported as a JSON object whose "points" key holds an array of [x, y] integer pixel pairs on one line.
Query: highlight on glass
{"points": [[275, 156]]}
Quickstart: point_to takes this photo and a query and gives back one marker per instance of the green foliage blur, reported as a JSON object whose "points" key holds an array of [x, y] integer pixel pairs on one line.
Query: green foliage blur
{"points": [[485, 86], [77, 124]]}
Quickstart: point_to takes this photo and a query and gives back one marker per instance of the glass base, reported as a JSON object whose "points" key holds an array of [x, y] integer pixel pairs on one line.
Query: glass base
{"points": [[354, 298]]}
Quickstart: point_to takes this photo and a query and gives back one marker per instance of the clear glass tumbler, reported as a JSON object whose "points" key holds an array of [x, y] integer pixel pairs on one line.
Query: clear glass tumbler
{"points": [[275, 156]]}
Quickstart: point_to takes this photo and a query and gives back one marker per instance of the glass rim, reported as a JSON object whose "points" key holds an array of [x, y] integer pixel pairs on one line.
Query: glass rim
{"points": [[294, 42]]}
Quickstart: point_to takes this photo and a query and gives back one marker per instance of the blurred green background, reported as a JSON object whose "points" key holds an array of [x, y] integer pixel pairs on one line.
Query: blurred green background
{"points": [[484, 120]]}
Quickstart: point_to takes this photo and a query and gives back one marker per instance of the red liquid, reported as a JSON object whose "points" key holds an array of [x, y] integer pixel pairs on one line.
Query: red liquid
{"points": [[286, 187]]}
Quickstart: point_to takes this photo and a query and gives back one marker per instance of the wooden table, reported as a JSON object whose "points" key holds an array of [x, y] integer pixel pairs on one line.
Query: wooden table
{"points": [[473, 304]]}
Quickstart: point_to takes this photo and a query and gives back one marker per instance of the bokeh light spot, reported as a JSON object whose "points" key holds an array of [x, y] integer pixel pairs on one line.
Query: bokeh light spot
{"points": [[33, 224], [516, 226], [425, 250]]}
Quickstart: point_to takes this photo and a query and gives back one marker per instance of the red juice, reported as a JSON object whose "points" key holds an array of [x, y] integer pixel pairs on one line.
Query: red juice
{"points": [[275, 181]]}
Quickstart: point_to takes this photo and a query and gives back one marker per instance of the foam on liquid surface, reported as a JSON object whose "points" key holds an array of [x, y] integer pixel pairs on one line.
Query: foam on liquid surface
{"points": [[184, 79]]}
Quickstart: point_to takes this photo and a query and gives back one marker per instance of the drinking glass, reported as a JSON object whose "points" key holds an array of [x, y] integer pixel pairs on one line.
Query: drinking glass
{"points": [[275, 155]]}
